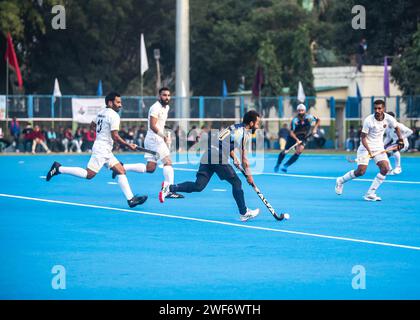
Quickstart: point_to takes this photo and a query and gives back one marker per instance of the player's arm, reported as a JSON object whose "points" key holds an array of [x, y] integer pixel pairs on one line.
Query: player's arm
{"points": [[363, 137], [400, 141], [245, 164], [116, 137], [153, 125]]}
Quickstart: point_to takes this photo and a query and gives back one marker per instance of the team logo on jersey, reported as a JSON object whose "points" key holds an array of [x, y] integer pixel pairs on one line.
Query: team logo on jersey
{"points": [[384, 125]]}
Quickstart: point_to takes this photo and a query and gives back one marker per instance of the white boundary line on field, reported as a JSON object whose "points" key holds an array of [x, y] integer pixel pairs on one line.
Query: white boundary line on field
{"points": [[243, 225], [309, 176]]}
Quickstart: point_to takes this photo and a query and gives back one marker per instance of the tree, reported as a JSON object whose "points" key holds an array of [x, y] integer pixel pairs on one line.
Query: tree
{"points": [[24, 20], [405, 68], [101, 41], [389, 26], [267, 59], [301, 67]]}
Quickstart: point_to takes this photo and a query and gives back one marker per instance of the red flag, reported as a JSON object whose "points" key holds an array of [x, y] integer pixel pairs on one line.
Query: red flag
{"points": [[258, 82], [11, 56]]}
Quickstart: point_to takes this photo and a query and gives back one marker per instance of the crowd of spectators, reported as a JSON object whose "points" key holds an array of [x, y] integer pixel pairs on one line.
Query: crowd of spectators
{"points": [[32, 139], [27, 138]]}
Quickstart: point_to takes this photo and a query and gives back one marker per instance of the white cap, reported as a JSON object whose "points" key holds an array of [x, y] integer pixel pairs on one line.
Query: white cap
{"points": [[301, 107]]}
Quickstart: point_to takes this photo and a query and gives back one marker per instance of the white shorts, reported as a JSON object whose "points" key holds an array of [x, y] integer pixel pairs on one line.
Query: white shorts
{"points": [[99, 159], [157, 144], [363, 156]]}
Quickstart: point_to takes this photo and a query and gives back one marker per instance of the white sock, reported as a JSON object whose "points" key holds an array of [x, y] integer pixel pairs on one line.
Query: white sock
{"points": [[168, 173], [397, 156], [74, 171], [125, 187], [347, 177], [376, 183], [137, 167]]}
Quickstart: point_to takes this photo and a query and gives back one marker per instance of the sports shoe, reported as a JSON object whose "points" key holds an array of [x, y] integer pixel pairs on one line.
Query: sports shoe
{"points": [[338, 187], [136, 200], [371, 197], [53, 171], [174, 195], [114, 174], [276, 168], [395, 171], [249, 214], [284, 169], [164, 191]]}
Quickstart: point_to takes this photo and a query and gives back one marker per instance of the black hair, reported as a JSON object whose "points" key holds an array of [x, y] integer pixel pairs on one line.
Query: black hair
{"points": [[111, 97], [392, 114], [164, 89], [382, 102], [251, 115]]}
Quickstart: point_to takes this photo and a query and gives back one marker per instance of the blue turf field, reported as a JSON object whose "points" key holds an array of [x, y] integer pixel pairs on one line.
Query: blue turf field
{"points": [[196, 248]]}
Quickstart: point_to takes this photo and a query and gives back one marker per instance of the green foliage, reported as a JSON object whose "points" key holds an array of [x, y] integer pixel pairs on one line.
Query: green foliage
{"points": [[405, 69], [389, 26], [301, 67], [267, 59], [228, 38]]}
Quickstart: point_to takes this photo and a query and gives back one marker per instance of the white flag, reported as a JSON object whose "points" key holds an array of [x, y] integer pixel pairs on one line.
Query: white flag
{"points": [[144, 65], [57, 92], [301, 94]]}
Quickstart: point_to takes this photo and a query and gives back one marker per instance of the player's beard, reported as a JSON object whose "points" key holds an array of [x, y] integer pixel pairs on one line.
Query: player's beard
{"points": [[164, 102], [379, 116], [116, 108]]}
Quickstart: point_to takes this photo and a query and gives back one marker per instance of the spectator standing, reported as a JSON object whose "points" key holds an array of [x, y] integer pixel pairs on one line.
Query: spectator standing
{"points": [[360, 54], [15, 133]]}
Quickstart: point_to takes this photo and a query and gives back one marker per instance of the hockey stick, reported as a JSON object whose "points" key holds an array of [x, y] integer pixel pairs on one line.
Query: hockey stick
{"points": [[263, 199], [297, 143], [147, 151], [392, 148]]}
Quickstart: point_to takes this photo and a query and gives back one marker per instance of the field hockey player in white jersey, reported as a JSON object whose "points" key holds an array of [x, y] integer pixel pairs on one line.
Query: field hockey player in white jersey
{"points": [[391, 138], [372, 147], [156, 140], [107, 126]]}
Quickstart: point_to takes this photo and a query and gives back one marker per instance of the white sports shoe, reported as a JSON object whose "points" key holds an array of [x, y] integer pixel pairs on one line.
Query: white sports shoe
{"points": [[249, 214], [338, 187], [164, 191], [396, 170], [372, 197]]}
